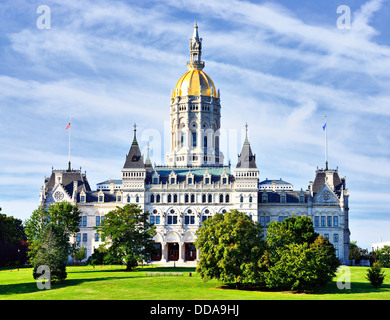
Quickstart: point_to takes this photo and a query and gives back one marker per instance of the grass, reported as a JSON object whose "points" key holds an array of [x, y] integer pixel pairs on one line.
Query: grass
{"points": [[114, 283]]}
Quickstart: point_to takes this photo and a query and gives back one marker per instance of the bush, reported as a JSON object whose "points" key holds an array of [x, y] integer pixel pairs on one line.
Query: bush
{"points": [[375, 275]]}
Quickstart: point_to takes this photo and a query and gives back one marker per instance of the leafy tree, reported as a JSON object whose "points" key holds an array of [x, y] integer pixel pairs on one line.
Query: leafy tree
{"points": [[383, 256], [297, 258], [53, 224], [356, 253], [129, 235], [78, 253], [12, 241], [52, 251], [375, 275], [230, 245]]}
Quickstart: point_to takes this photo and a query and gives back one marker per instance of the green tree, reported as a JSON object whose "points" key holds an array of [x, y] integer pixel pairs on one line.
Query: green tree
{"points": [[12, 241], [230, 246], [297, 258], [78, 253], [129, 235], [53, 224], [383, 256], [52, 251], [375, 275]]}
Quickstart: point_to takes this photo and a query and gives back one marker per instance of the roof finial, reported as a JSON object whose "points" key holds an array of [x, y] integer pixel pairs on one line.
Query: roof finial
{"points": [[246, 133], [135, 134]]}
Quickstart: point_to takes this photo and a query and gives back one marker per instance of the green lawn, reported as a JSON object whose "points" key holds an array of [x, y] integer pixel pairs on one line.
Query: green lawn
{"points": [[112, 282]]}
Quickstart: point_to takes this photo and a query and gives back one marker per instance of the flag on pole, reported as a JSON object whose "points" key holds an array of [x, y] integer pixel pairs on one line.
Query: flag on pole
{"points": [[68, 126], [323, 127]]}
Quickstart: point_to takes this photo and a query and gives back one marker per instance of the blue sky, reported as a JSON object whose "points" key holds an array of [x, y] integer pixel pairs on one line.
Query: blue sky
{"points": [[281, 67]]}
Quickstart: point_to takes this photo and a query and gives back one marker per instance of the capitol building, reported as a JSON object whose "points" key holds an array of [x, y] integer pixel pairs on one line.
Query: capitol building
{"points": [[195, 183]]}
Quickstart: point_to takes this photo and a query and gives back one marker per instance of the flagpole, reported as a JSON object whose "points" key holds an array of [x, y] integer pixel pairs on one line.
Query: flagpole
{"points": [[70, 129], [326, 144]]}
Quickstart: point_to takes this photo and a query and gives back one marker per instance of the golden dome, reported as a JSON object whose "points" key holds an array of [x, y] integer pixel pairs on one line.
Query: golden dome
{"points": [[190, 82]]}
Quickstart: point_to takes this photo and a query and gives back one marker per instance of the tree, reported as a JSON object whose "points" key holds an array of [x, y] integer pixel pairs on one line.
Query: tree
{"points": [[230, 245], [375, 275], [297, 258], [12, 241], [356, 253], [52, 251], [48, 225], [129, 235], [78, 253], [383, 256]]}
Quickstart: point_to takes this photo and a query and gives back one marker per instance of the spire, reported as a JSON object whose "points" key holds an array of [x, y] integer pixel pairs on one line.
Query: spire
{"points": [[134, 159], [246, 159], [195, 51], [135, 134]]}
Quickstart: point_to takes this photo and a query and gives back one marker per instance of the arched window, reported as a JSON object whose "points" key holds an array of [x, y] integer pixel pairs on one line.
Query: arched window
{"points": [[227, 198], [221, 198], [192, 198], [210, 198], [169, 198], [186, 198], [137, 199], [175, 198], [128, 199], [216, 145], [158, 198], [203, 198], [250, 199], [205, 145], [152, 198], [241, 199]]}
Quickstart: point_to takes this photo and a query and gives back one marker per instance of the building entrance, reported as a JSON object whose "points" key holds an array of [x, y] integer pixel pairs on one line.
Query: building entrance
{"points": [[173, 251], [190, 252]]}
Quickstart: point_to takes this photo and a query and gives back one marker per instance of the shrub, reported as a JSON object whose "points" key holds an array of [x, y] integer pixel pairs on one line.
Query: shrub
{"points": [[375, 275]]}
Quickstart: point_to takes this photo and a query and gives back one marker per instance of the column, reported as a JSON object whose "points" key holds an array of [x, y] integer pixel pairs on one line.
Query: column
{"points": [[164, 252], [181, 251]]}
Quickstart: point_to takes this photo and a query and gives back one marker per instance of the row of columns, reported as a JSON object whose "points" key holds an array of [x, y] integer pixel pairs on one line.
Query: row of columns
{"points": [[169, 249]]}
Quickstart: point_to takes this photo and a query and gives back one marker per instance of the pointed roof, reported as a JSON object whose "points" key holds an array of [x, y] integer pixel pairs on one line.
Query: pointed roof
{"points": [[246, 159], [134, 159]]}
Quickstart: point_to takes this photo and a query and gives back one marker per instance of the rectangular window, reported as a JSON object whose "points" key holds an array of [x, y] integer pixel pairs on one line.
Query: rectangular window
{"points": [[102, 220], [335, 221], [155, 180], [78, 237], [100, 198], [152, 220], [207, 180], [335, 238], [281, 219], [316, 221], [172, 180], [323, 221], [84, 221], [172, 219], [194, 139], [119, 199], [82, 198], [283, 199], [326, 236], [186, 220], [192, 220], [85, 238], [329, 221], [204, 218], [189, 180], [157, 219], [224, 180], [264, 199], [98, 221], [301, 199], [96, 237]]}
